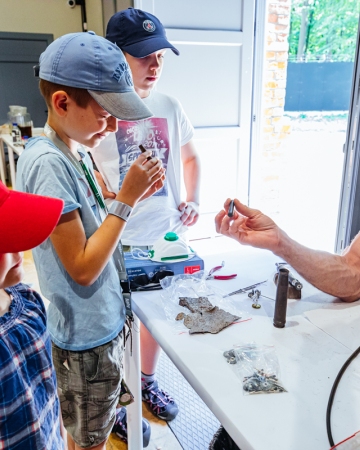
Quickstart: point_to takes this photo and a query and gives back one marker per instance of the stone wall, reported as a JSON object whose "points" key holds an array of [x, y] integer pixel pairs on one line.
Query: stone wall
{"points": [[276, 126]]}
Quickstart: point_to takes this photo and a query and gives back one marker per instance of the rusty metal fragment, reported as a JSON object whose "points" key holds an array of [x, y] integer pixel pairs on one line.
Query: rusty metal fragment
{"points": [[197, 304], [180, 316], [206, 318]]}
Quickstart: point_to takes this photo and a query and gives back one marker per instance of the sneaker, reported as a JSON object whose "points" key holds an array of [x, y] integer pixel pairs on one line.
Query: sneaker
{"points": [[120, 427], [159, 401]]}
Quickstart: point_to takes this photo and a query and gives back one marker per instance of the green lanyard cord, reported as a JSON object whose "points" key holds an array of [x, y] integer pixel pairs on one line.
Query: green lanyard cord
{"points": [[92, 185]]}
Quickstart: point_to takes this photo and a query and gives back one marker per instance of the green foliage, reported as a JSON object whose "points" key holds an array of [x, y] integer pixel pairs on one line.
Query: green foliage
{"points": [[331, 32]]}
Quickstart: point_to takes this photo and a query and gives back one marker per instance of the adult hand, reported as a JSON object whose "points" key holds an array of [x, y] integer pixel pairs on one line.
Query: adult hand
{"points": [[101, 183], [142, 174], [248, 226], [190, 213]]}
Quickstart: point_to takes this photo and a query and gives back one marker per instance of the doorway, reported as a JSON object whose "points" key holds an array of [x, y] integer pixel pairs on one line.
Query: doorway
{"points": [[302, 189], [212, 79]]}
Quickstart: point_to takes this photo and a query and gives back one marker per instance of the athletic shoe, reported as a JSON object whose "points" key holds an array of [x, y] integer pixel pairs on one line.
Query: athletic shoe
{"points": [[120, 427], [159, 401]]}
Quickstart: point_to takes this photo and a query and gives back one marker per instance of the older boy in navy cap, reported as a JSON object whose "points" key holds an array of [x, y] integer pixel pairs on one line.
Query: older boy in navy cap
{"points": [[142, 38], [87, 85]]}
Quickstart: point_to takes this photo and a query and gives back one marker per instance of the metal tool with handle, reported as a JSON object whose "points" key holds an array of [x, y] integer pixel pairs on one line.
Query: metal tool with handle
{"points": [[245, 289], [292, 280]]}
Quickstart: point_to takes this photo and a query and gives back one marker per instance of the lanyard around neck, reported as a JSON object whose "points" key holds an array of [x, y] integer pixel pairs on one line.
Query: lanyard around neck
{"points": [[80, 166]]}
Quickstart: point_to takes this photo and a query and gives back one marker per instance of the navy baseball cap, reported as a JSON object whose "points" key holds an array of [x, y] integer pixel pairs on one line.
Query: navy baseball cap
{"points": [[91, 62], [138, 33]]}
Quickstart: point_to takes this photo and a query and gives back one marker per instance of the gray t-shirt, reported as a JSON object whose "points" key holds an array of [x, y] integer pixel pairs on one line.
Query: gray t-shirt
{"points": [[79, 317]]}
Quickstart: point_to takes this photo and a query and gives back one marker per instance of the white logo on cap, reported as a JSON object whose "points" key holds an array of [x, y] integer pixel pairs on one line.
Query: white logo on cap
{"points": [[149, 26]]}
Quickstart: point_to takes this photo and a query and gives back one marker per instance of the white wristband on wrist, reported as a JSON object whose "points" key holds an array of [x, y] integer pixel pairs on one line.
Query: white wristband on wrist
{"points": [[121, 210]]}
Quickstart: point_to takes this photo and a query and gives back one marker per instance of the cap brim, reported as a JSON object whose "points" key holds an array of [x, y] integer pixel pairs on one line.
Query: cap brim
{"points": [[148, 46], [27, 220], [123, 106]]}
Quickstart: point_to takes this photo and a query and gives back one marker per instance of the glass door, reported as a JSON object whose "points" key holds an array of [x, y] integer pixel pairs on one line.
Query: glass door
{"points": [[302, 153]]}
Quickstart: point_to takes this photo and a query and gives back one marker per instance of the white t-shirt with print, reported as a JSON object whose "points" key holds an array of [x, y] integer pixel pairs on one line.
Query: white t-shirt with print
{"points": [[164, 134]]}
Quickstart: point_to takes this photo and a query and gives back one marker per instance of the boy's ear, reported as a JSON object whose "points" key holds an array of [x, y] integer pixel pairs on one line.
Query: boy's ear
{"points": [[60, 102]]}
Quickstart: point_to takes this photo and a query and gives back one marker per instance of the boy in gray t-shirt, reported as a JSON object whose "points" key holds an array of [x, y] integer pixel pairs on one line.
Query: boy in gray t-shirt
{"points": [[87, 86]]}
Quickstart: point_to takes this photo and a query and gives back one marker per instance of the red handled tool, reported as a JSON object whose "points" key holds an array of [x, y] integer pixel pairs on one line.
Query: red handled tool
{"points": [[210, 275]]}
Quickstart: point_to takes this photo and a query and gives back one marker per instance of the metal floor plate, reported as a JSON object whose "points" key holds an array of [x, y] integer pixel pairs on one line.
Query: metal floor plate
{"points": [[195, 425]]}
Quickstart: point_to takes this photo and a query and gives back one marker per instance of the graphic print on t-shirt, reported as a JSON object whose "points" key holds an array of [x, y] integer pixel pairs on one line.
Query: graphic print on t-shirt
{"points": [[152, 133]]}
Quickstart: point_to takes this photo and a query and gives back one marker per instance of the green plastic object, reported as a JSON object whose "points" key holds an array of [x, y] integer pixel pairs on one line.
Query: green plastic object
{"points": [[171, 236]]}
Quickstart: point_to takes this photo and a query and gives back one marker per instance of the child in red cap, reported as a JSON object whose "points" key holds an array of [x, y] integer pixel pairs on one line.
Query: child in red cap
{"points": [[29, 405]]}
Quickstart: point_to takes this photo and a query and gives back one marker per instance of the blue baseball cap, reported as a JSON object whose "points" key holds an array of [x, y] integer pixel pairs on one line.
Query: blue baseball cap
{"points": [[138, 33], [91, 62]]}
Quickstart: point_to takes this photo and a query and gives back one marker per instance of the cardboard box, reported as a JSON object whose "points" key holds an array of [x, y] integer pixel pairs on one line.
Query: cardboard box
{"points": [[136, 267]]}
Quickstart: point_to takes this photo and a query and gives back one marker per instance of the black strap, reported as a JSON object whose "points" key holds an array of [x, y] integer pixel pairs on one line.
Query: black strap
{"points": [[144, 283]]}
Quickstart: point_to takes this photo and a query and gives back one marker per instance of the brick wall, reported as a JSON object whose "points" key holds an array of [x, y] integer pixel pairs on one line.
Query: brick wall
{"points": [[276, 126]]}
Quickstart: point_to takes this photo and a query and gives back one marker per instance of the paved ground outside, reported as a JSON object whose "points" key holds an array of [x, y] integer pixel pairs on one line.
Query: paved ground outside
{"points": [[311, 174]]}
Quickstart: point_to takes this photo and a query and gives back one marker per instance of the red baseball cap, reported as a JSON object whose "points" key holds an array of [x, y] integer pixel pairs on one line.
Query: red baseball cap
{"points": [[26, 220]]}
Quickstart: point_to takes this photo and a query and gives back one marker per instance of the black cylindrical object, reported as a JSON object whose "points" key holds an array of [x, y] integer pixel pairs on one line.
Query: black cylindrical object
{"points": [[295, 282], [281, 298]]}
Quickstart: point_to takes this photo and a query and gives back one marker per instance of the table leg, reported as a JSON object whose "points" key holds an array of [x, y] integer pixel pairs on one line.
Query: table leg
{"points": [[12, 165], [2, 162], [133, 380]]}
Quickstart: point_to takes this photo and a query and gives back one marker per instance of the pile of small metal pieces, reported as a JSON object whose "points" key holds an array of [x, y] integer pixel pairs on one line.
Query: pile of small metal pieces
{"points": [[230, 356], [260, 382], [204, 317]]}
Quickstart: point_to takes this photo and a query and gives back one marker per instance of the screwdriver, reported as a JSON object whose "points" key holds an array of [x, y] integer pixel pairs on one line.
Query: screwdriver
{"points": [[242, 290]]}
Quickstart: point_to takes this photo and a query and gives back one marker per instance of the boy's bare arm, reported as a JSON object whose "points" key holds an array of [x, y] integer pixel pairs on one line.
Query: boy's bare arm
{"points": [[85, 259], [337, 275], [191, 170]]}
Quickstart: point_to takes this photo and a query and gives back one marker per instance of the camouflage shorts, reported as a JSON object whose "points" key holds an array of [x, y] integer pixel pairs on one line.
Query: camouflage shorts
{"points": [[89, 387]]}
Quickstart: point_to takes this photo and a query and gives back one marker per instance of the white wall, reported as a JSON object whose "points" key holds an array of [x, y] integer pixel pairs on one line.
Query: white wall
{"points": [[49, 16]]}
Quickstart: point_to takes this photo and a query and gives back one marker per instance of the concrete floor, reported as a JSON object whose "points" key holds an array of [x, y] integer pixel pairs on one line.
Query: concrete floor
{"points": [[310, 181]]}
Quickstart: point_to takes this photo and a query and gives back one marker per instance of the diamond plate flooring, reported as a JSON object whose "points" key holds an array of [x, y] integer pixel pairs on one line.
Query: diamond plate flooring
{"points": [[195, 425]]}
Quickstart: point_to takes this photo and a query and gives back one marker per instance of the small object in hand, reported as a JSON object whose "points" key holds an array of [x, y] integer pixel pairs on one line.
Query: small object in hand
{"points": [[143, 150], [231, 209]]}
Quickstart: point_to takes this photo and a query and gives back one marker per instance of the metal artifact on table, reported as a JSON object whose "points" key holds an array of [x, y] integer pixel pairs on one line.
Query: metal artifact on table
{"points": [[281, 298], [254, 295], [295, 286], [257, 366], [204, 317]]}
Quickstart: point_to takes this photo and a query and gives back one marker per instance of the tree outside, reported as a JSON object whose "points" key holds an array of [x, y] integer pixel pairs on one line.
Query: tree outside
{"points": [[323, 30]]}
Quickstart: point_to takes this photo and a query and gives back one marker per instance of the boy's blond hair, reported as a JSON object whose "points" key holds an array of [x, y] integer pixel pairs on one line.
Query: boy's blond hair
{"points": [[80, 96]]}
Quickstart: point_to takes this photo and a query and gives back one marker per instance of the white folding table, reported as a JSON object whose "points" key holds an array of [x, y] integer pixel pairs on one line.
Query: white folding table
{"points": [[311, 349]]}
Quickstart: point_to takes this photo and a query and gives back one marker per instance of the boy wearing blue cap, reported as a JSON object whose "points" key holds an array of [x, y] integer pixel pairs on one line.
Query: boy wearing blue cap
{"points": [[87, 85], [142, 38]]}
